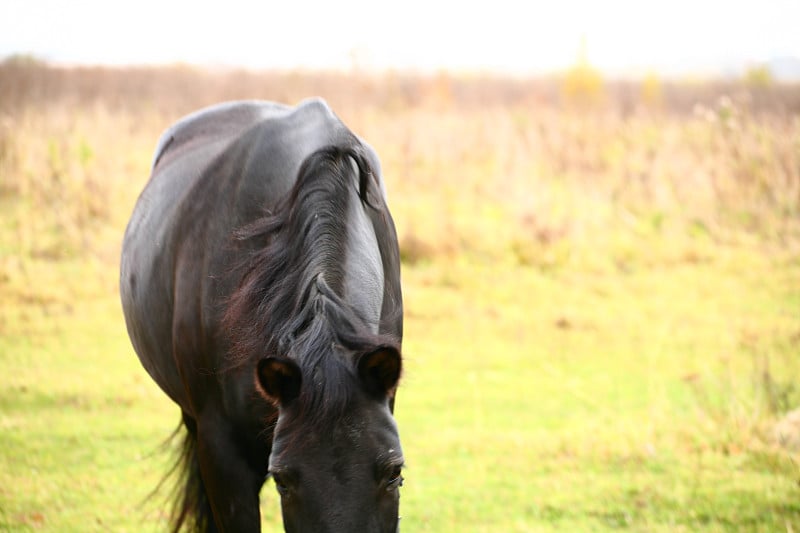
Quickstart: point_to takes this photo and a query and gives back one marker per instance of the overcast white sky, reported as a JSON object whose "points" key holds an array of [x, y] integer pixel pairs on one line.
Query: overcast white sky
{"points": [[507, 35]]}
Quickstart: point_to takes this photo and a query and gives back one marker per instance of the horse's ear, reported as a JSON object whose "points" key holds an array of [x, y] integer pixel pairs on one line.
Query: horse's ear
{"points": [[380, 370], [280, 379]]}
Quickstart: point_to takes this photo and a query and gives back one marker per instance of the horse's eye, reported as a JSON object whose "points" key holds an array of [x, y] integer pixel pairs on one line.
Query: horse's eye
{"points": [[280, 485], [395, 479]]}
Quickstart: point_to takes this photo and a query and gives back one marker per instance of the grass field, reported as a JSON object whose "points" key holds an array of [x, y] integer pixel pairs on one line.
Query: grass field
{"points": [[603, 298]]}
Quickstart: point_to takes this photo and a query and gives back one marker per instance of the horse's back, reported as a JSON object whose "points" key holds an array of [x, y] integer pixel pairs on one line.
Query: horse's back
{"points": [[213, 171]]}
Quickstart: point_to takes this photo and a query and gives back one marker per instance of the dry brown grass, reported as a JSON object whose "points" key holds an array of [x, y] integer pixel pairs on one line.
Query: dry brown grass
{"points": [[504, 167]]}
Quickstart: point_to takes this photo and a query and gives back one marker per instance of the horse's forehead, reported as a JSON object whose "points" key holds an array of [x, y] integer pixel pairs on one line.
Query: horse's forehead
{"points": [[362, 428], [357, 424]]}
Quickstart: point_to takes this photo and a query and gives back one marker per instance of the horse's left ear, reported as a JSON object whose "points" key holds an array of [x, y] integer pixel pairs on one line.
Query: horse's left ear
{"points": [[380, 370], [280, 379]]}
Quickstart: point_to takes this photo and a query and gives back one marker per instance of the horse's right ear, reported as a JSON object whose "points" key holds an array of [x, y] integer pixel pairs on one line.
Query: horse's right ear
{"points": [[280, 379], [380, 370]]}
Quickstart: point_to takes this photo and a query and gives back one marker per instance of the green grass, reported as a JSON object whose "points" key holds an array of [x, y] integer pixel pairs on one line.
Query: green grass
{"points": [[581, 399], [602, 310], [568, 402]]}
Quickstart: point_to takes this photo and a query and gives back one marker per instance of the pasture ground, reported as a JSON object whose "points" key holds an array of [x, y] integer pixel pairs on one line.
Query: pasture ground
{"points": [[602, 303]]}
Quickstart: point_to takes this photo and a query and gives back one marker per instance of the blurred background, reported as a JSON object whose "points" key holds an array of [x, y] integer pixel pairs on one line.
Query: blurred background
{"points": [[598, 207]]}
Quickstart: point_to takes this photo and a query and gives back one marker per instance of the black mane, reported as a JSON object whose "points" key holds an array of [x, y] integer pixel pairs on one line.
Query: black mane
{"points": [[288, 302]]}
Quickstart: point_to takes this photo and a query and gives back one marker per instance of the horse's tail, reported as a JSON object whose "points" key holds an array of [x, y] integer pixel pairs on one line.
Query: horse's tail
{"points": [[191, 510]]}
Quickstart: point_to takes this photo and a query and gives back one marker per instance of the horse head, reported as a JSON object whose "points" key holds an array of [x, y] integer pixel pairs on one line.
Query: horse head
{"points": [[336, 458]]}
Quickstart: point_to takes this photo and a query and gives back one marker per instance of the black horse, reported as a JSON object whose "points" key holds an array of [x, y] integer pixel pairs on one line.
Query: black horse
{"points": [[260, 280]]}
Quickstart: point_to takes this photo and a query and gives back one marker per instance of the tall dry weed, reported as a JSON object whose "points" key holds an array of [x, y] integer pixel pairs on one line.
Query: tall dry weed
{"points": [[489, 166]]}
